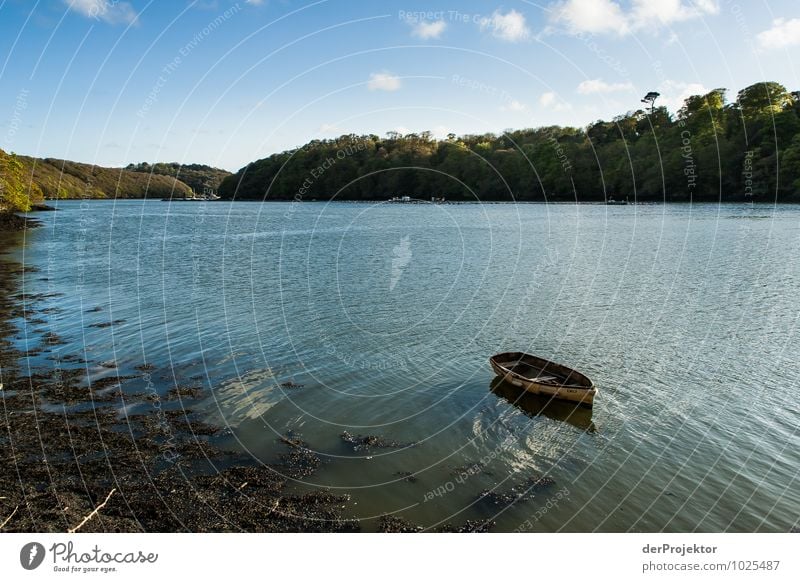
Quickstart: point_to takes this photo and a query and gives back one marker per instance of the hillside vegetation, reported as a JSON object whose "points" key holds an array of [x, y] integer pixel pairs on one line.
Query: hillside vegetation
{"points": [[200, 178], [16, 191], [709, 150], [66, 179], [25, 181]]}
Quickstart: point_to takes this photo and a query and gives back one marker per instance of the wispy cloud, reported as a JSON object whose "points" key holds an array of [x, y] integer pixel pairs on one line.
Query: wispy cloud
{"points": [[105, 10], [514, 105], [783, 34], [510, 26], [593, 86], [429, 30], [610, 17], [550, 100], [383, 82]]}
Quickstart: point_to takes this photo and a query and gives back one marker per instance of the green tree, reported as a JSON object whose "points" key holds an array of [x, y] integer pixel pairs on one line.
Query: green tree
{"points": [[763, 99], [14, 190]]}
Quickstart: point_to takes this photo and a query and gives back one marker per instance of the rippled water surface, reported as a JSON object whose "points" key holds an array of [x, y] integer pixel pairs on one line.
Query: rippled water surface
{"points": [[684, 316]]}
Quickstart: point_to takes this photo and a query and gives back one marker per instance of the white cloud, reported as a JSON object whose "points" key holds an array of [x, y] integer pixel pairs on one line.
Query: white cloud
{"points": [[674, 93], [514, 105], [592, 86], [592, 16], [646, 13], [609, 17], [784, 33], [254, 2], [105, 10], [383, 82], [428, 30], [550, 100], [510, 27]]}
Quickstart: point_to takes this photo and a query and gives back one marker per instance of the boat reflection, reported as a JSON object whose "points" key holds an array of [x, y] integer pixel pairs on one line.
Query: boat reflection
{"points": [[536, 405]]}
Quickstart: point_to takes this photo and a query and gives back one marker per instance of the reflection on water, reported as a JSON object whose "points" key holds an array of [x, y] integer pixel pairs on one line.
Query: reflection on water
{"points": [[247, 396], [535, 405]]}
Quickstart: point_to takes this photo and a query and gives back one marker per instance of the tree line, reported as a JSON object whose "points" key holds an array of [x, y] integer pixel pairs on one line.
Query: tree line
{"points": [[200, 178], [711, 150]]}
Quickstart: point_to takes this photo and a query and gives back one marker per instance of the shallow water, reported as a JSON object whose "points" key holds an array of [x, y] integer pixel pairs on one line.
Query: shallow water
{"points": [[684, 316]]}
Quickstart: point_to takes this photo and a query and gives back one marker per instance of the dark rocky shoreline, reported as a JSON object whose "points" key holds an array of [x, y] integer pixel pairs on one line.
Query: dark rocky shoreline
{"points": [[10, 222]]}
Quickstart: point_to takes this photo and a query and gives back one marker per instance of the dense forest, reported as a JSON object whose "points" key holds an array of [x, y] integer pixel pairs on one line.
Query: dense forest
{"points": [[200, 178], [711, 149]]}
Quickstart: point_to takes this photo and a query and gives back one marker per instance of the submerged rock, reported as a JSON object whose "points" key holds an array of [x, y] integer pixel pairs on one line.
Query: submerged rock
{"points": [[290, 384], [407, 476]]}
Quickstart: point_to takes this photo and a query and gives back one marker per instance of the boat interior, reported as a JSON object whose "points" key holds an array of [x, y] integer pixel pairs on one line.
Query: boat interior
{"points": [[533, 372], [543, 372]]}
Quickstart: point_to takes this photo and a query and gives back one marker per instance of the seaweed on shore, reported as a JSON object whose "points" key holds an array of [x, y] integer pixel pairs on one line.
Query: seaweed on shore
{"points": [[181, 392], [395, 524], [300, 461], [366, 442], [470, 526], [534, 484]]}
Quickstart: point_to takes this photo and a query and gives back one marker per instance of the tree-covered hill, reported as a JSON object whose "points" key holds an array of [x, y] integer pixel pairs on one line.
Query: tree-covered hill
{"points": [[25, 180], [66, 179], [748, 149], [200, 178]]}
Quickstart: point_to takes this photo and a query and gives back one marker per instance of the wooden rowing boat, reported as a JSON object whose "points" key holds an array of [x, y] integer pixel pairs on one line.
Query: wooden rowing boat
{"points": [[541, 376]]}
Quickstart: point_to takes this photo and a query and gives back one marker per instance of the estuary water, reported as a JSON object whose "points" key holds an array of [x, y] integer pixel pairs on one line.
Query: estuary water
{"points": [[318, 319]]}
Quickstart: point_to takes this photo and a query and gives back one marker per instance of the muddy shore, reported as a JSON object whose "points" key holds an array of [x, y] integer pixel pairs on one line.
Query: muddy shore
{"points": [[73, 459]]}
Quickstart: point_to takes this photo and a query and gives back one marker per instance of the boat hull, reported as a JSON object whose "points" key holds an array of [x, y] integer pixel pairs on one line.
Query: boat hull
{"points": [[583, 394]]}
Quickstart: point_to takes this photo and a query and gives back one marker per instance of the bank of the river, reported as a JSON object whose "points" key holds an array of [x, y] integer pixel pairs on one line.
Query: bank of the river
{"points": [[10, 222]]}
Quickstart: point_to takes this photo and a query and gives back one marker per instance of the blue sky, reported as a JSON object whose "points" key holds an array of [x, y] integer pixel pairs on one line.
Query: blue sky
{"points": [[227, 82]]}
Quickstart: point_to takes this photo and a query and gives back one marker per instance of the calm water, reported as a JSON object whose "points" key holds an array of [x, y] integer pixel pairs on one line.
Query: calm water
{"points": [[685, 316]]}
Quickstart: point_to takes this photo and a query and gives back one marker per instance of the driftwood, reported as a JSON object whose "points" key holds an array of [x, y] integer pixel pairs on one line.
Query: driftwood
{"points": [[2, 525], [93, 513]]}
